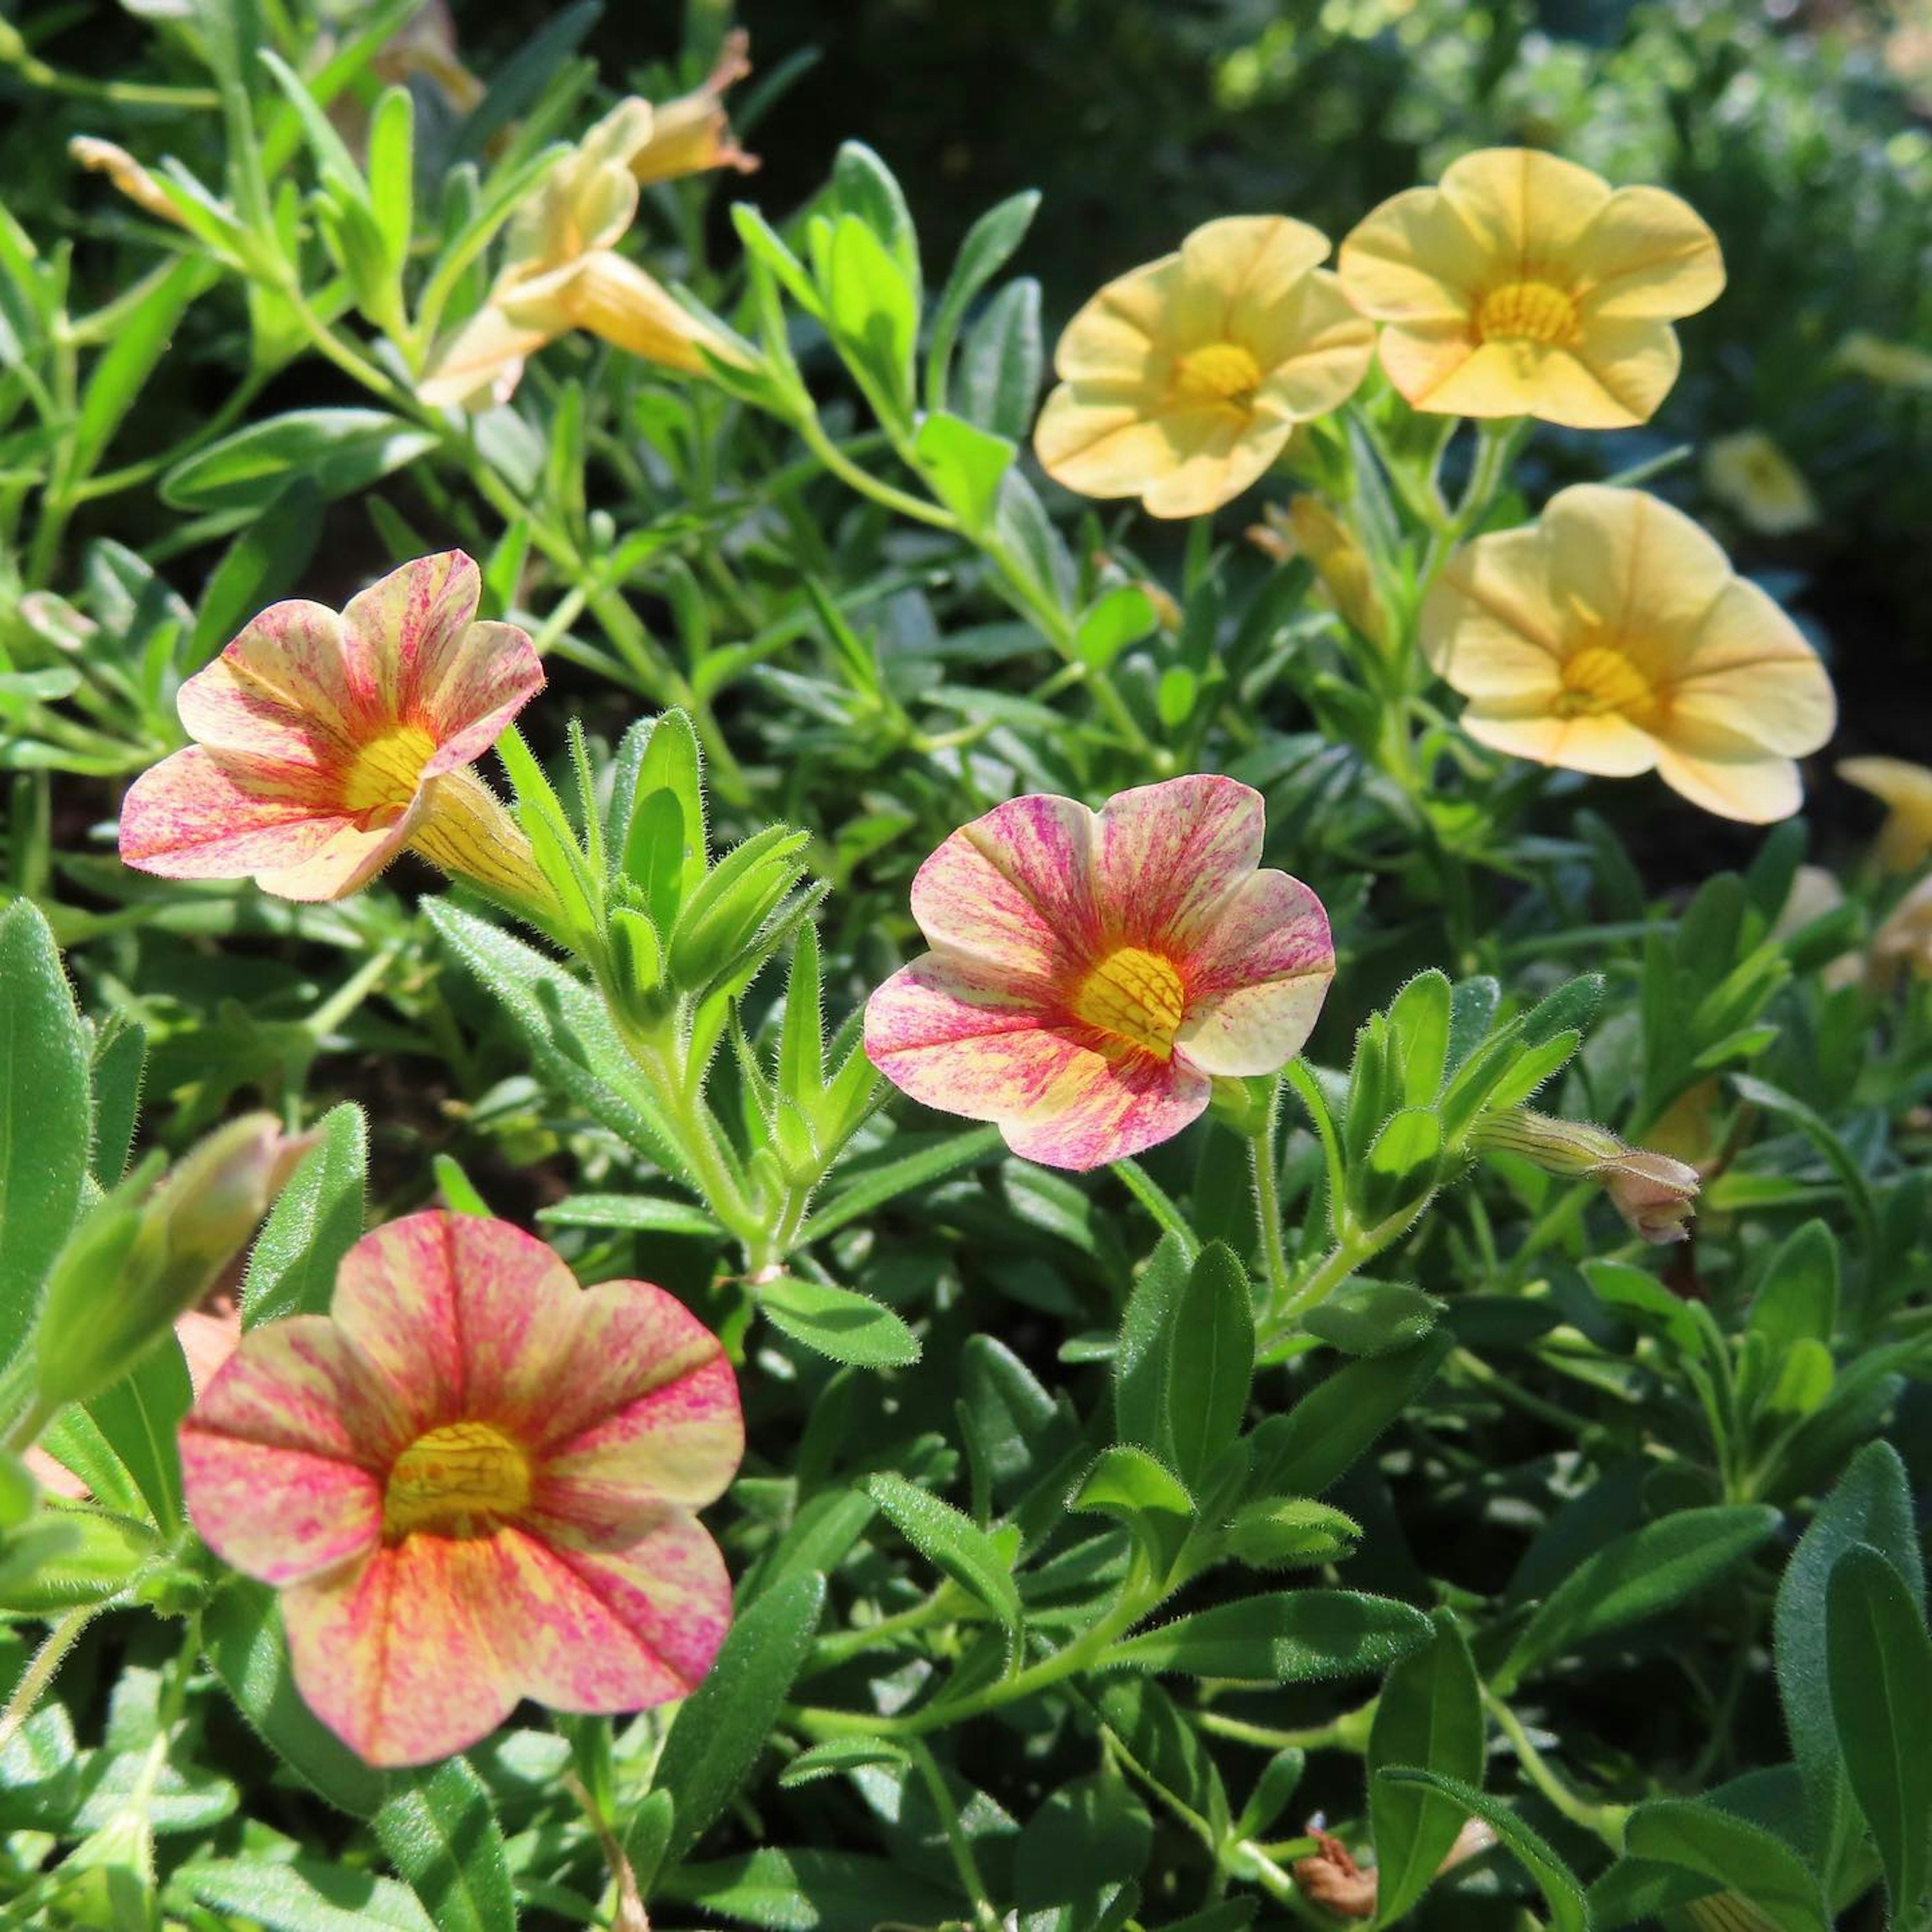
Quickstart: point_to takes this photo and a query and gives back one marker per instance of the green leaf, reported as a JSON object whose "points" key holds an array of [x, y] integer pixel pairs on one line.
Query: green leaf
{"points": [[872, 1189], [1126, 1481], [965, 466], [721, 1728], [1210, 1361], [339, 452], [267, 557], [441, 1834], [1140, 1352], [866, 191], [1295, 1636], [1304, 1451], [1798, 1299], [1419, 1026], [1569, 1912], [316, 1220], [872, 312], [45, 1110], [1741, 1857], [808, 1891], [120, 1066], [990, 244], [646, 1213], [141, 338], [1871, 1503], [1430, 1715], [1878, 1663], [838, 1322], [301, 1895], [1122, 617], [1651, 1570], [837, 1756], [138, 1416], [953, 1540], [1001, 363], [1373, 1318], [1291, 1533]]}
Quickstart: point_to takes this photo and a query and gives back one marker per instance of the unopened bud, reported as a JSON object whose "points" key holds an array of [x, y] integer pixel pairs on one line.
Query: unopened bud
{"points": [[104, 158], [1653, 1192], [692, 133]]}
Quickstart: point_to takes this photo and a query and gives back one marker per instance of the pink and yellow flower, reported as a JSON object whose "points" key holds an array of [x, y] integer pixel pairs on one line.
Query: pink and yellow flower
{"points": [[1092, 973], [326, 744], [472, 1482]]}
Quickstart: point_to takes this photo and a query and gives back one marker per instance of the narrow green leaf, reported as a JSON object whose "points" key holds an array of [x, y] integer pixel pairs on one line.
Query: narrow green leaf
{"points": [[1740, 1857], [120, 1066], [1569, 1911], [1295, 1636], [339, 451], [1303, 1452], [838, 1322], [1127, 1481], [990, 244], [440, 1832], [1210, 1361], [646, 1213], [1373, 1318], [838, 1756], [301, 1895], [138, 1416], [953, 1540], [873, 1188], [316, 1220], [999, 365]]}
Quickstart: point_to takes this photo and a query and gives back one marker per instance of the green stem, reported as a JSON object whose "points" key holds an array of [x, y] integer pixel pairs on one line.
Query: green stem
{"points": [[1266, 1163], [946, 1604], [985, 1914], [901, 502], [1345, 1732], [1607, 1821], [40, 1673]]}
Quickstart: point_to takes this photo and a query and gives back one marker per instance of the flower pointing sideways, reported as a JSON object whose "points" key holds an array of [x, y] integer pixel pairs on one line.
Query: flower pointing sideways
{"points": [[1613, 637], [1905, 838], [1524, 285], [1181, 381], [1092, 973], [692, 134], [472, 1482], [326, 744], [1654, 1193]]}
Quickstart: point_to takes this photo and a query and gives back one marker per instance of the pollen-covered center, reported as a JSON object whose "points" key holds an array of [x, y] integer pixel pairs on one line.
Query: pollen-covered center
{"points": [[1218, 372], [1528, 312], [461, 1479], [1600, 679], [1135, 995], [388, 770]]}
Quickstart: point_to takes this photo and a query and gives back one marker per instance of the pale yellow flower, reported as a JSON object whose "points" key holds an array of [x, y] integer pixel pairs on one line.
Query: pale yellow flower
{"points": [[1749, 474], [104, 158], [1897, 365], [1905, 838], [1612, 637], [562, 271], [1181, 381], [1524, 285], [692, 133]]}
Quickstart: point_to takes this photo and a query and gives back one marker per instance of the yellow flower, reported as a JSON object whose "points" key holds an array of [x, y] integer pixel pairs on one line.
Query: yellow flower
{"points": [[1524, 285], [1612, 637], [1341, 564], [1748, 473], [1897, 365], [104, 158], [1905, 838], [562, 272], [1181, 381], [1905, 939], [692, 134]]}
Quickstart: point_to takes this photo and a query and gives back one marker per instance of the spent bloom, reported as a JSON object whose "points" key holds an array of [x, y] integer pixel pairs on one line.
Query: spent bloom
{"points": [[562, 271], [1653, 1192], [1905, 838], [472, 1482], [325, 744], [1092, 973], [1613, 637], [105, 157], [692, 133], [1180, 382], [1524, 285], [1751, 475]]}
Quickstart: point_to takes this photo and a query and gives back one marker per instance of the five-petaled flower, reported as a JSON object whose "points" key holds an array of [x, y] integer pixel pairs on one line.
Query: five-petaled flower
{"points": [[1091, 973], [1524, 286], [1180, 382], [1613, 637], [473, 1482], [562, 271], [1751, 476], [1905, 838], [327, 743]]}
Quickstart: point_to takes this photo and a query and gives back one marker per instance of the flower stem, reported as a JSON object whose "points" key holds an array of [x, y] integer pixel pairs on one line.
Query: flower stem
{"points": [[40, 1673], [1607, 1821], [1267, 1164]]}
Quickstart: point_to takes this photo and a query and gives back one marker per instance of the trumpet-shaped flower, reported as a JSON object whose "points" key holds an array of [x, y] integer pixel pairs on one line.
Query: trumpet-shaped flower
{"points": [[562, 271], [1091, 973], [1524, 286], [472, 1482], [326, 744], [1905, 838], [105, 157], [1180, 382], [1612, 637], [692, 134], [1749, 475]]}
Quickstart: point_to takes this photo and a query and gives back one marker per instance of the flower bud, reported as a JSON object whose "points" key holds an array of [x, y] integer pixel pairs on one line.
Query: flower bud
{"points": [[1651, 1191], [133, 1266], [692, 133], [104, 158]]}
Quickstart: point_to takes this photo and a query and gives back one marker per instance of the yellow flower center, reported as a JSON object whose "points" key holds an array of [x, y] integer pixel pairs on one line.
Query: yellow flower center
{"points": [[388, 770], [461, 1479], [1528, 312], [1600, 678], [1218, 372], [1136, 996]]}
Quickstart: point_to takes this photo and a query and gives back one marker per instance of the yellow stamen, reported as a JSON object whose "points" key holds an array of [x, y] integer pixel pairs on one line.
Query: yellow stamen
{"points": [[388, 770], [1136, 996], [1218, 372], [1600, 678], [1528, 312], [461, 1479]]}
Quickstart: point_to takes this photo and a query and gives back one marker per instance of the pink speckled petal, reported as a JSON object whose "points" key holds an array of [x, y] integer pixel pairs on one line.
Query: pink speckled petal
{"points": [[1013, 889], [279, 691], [282, 1456], [492, 673], [195, 816], [401, 635], [1167, 855], [1257, 982], [1102, 1107], [642, 1410]]}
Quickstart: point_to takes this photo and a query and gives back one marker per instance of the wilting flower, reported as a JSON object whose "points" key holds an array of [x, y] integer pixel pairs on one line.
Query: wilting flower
{"points": [[1524, 286], [562, 271], [326, 744], [1895, 365], [1905, 838], [104, 158], [1748, 473], [1309, 528], [1653, 1192], [1092, 973], [1180, 382], [692, 133], [472, 1482], [1611, 636], [425, 47]]}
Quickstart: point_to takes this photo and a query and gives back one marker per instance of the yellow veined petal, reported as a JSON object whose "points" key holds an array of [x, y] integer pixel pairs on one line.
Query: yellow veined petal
{"points": [[1905, 837], [1750, 669], [1414, 260], [1607, 746], [1728, 774], [1222, 454], [615, 299], [1648, 255], [1627, 560], [1233, 271], [1420, 360], [1316, 346], [1100, 448], [1490, 625], [1630, 366], [1523, 205], [1114, 336], [484, 362]]}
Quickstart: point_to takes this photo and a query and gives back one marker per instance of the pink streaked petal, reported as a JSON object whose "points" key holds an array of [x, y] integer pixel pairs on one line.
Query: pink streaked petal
{"points": [[1102, 1107], [1166, 856], [956, 1034], [278, 1515], [1013, 888], [494, 673], [1257, 985], [279, 691], [1252, 1029], [195, 817], [398, 1655], [401, 634]]}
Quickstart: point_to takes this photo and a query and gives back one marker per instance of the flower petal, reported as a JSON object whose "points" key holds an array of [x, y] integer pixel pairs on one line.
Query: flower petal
{"points": [[1112, 338], [1235, 272], [613, 298], [1607, 746], [1750, 670], [277, 692], [1100, 1107], [1316, 346], [484, 362], [400, 635], [1221, 451], [1103, 443], [491, 675], [1905, 836], [1167, 855], [1648, 255], [1523, 205], [1257, 984], [1635, 565], [1013, 889], [1730, 777], [1490, 625], [1414, 259]]}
